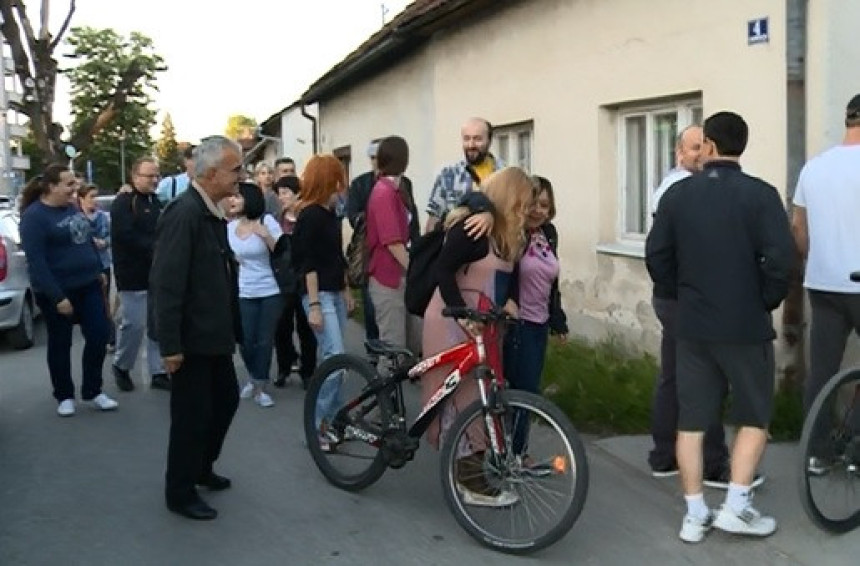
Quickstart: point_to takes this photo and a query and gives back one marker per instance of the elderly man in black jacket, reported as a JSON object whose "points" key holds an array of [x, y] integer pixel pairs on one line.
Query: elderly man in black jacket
{"points": [[194, 280], [722, 242]]}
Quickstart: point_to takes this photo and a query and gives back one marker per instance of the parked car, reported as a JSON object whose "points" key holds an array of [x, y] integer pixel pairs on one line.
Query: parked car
{"points": [[17, 303], [105, 202]]}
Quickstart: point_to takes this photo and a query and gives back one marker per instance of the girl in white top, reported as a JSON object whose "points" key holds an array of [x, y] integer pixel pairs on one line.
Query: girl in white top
{"points": [[252, 235]]}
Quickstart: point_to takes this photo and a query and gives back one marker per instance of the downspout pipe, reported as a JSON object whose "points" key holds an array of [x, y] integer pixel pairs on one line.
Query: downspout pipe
{"points": [[313, 120]]}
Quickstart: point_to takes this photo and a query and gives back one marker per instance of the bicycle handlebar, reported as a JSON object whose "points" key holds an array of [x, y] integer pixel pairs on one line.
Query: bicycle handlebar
{"points": [[486, 317]]}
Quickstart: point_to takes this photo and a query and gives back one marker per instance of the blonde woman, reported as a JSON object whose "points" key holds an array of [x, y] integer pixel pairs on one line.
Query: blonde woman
{"points": [[264, 177], [476, 273]]}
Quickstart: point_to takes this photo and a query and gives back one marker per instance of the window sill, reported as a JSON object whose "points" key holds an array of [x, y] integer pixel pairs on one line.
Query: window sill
{"points": [[625, 249]]}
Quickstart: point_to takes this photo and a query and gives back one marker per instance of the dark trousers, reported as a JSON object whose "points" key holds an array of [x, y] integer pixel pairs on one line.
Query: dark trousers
{"points": [[89, 311], [293, 317], [524, 355], [371, 330], [203, 400], [834, 316], [664, 412]]}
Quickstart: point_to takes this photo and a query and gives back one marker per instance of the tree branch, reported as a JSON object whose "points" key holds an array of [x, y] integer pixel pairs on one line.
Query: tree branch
{"points": [[63, 28], [89, 128], [25, 24], [12, 33]]}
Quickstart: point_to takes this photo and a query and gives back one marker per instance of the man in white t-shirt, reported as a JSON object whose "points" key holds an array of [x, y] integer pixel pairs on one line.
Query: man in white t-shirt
{"points": [[826, 209]]}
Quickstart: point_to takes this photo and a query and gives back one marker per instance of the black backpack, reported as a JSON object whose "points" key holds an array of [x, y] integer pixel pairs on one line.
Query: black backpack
{"points": [[421, 274], [357, 254], [281, 260]]}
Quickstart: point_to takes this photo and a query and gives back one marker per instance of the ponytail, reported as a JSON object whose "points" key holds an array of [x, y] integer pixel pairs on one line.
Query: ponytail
{"points": [[40, 185]]}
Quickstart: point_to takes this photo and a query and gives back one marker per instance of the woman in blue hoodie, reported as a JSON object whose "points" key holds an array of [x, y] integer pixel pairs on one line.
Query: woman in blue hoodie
{"points": [[66, 275]]}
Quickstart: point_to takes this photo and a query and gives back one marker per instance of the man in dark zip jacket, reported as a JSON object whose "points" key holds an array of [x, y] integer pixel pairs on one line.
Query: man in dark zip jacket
{"points": [[722, 244], [133, 218]]}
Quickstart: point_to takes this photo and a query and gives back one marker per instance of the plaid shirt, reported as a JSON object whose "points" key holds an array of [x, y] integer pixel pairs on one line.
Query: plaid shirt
{"points": [[451, 184]]}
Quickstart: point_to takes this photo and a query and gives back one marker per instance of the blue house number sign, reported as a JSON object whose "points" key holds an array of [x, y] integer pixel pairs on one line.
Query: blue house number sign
{"points": [[757, 31]]}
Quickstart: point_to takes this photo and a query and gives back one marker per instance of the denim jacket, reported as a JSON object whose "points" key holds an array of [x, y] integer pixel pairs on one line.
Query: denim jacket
{"points": [[100, 224], [451, 184]]}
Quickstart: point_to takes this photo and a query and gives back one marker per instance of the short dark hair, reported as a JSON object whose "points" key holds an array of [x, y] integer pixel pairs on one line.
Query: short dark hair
{"points": [[392, 157], [728, 132], [542, 184], [255, 204], [188, 152], [280, 160], [852, 112], [289, 182]]}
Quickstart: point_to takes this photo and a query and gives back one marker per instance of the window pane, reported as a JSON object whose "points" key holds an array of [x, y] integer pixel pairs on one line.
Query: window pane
{"points": [[696, 116], [524, 149], [504, 150], [665, 130], [635, 177]]}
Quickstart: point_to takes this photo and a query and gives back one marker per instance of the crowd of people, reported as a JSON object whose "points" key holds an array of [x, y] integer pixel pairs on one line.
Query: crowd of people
{"points": [[193, 256]]}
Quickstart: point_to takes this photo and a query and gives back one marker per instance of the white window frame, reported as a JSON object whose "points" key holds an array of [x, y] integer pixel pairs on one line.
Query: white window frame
{"points": [[508, 134], [689, 112]]}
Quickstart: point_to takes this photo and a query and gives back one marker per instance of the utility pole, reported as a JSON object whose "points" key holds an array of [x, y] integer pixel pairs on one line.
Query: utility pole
{"points": [[384, 12]]}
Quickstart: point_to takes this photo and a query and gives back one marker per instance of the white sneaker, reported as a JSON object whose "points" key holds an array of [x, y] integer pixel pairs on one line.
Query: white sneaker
{"points": [[104, 403], [263, 399], [66, 408], [502, 499], [694, 529], [747, 522], [247, 391]]}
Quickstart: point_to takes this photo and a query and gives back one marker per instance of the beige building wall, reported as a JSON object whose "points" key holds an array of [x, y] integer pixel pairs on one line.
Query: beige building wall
{"points": [[297, 135], [567, 65], [397, 102], [832, 64]]}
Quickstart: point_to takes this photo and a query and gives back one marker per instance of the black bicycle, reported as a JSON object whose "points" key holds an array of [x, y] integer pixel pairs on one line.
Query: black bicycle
{"points": [[514, 471], [830, 453]]}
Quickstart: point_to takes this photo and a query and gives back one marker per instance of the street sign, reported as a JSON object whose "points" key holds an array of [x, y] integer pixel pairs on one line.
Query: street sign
{"points": [[757, 31]]}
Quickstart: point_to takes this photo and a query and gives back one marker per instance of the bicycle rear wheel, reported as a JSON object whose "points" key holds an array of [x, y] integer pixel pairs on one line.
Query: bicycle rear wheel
{"points": [[343, 431], [830, 455], [530, 497]]}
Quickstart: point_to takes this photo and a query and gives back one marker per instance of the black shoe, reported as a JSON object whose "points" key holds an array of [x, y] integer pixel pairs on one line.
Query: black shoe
{"points": [[198, 510], [123, 379], [721, 478], [160, 381], [281, 380], [214, 482]]}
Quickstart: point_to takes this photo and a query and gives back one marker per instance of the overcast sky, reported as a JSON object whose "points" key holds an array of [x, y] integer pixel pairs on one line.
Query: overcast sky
{"points": [[248, 57]]}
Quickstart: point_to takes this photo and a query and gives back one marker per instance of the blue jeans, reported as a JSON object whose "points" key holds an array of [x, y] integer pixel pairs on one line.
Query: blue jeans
{"points": [[259, 320], [524, 355], [330, 340], [88, 303]]}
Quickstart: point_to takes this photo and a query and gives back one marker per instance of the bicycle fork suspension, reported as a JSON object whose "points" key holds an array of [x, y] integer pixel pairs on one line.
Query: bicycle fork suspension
{"points": [[490, 402]]}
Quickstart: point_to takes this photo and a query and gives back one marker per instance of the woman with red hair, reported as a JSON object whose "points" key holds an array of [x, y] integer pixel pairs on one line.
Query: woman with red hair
{"points": [[319, 260]]}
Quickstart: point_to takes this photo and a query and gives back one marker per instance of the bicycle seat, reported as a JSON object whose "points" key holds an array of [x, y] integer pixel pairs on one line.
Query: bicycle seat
{"points": [[468, 313], [378, 347], [855, 276]]}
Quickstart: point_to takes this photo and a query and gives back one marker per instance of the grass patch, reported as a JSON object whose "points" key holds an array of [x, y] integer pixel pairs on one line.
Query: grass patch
{"points": [[602, 388], [605, 390]]}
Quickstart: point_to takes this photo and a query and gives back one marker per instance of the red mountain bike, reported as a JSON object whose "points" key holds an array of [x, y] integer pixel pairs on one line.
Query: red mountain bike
{"points": [[514, 470]]}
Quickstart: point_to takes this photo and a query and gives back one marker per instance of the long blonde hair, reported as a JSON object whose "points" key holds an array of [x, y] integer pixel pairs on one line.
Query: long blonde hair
{"points": [[511, 191]]}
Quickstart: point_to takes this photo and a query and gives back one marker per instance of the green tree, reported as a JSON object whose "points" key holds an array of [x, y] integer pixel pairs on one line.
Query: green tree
{"points": [[36, 67], [240, 127], [167, 149], [122, 120]]}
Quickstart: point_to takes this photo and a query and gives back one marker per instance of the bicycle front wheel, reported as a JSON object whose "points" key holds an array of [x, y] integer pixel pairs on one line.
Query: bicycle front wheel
{"points": [[344, 423], [529, 497], [830, 455]]}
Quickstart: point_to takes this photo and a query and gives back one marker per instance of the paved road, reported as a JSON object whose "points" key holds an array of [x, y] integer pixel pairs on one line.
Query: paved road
{"points": [[88, 490]]}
